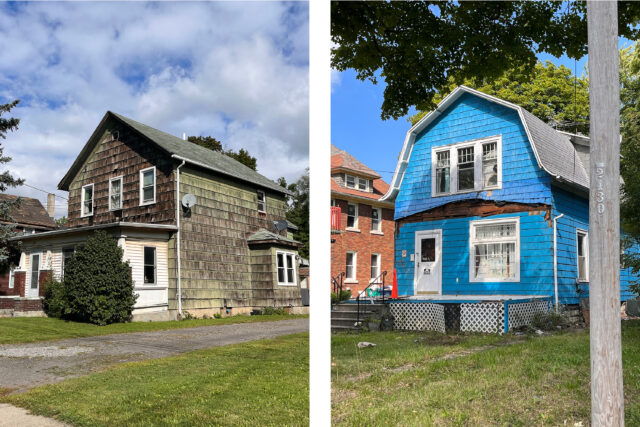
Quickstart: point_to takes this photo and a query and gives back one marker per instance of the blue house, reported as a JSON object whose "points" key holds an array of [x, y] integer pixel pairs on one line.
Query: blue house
{"points": [[491, 203]]}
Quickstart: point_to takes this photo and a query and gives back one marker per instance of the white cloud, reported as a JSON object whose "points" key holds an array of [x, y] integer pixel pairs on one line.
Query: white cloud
{"points": [[235, 71]]}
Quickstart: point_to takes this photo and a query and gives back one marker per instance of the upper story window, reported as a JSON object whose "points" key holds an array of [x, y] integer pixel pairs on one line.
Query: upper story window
{"points": [[582, 241], [115, 193], [262, 202], [87, 200], [148, 186], [352, 215], [350, 181], [494, 250], [375, 219], [467, 166], [363, 184]]}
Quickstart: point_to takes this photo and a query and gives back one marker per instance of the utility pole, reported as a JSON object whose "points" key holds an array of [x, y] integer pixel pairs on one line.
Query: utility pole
{"points": [[607, 397]]}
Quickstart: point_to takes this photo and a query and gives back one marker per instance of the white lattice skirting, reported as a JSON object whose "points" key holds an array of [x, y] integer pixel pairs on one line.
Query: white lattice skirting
{"points": [[485, 317], [522, 313], [418, 316]]}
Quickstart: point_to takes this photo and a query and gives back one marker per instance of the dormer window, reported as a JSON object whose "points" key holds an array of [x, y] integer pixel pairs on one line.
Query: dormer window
{"points": [[148, 186], [87, 200], [350, 181], [466, 167], [363, 184]]}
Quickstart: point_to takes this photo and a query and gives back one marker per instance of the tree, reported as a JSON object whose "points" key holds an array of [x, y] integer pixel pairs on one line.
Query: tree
{"points": [[61, 222], [298, 212], [97, 284], [551, 93], [7, 249], [213, 144], [418, 48]]}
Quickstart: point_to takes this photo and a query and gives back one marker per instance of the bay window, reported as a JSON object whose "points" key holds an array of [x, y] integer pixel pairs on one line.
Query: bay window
{"points": [[494, 250], [286, 268]]}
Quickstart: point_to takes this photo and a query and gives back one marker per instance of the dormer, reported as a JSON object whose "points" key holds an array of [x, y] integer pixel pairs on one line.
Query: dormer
{"points": [[348, 172]]}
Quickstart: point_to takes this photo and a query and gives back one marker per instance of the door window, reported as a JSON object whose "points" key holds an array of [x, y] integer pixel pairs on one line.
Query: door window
{"points": [[35, 270], [428, 250]]}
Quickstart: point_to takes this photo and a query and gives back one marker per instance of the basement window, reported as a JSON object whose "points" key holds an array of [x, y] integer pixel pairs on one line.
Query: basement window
{"points": [[494, 251], [87, 200], [286, 268]]}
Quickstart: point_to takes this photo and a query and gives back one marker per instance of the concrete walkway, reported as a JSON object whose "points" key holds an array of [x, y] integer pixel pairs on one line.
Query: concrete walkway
{"points": [[23, 366], [10, 416]]}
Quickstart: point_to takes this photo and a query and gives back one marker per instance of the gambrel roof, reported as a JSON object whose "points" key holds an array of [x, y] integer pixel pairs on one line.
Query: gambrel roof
{"points": [[180, 150], [554, 151]]}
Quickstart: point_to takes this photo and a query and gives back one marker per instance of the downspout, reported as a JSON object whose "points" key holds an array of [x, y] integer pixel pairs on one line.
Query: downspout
{"points": [[555, 257], [178, 236]]}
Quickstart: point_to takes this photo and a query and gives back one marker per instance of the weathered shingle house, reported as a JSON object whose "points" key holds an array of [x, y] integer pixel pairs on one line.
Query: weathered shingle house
{"points": [[491, 203], [203, 233]]}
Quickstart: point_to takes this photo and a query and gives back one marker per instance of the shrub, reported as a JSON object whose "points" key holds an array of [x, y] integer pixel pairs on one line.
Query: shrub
{"points": [[217, 316], [344, 295], [97, 284], [550, 321], [268, 311], [54, 302]]}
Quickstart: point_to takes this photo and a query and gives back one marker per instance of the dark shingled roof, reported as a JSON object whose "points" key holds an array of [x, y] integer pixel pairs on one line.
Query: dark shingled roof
{"points": [[31, 213], [262, 235], [193, 153]]}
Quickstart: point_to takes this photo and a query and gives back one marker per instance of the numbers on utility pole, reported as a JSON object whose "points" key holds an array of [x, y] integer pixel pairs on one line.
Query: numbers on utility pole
{"points": [[600, 197]]}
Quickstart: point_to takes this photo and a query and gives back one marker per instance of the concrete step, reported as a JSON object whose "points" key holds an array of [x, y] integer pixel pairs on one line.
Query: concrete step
{"points": [[338, 328], [350, 323]]}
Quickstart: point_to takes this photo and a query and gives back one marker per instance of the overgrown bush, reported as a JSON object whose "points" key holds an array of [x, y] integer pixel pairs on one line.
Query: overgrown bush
{"points": [[54, 302], [344, 295], [269, 311], [97, 284], [550, 321]]}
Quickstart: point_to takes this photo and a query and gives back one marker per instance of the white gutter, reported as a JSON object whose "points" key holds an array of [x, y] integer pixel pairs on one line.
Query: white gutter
{"points": [[555, 258], [178, 236]]}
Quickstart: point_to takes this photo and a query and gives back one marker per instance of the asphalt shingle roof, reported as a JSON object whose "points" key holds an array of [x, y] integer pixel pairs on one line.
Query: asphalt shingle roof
{"points": [[30, 213], [263, 234]]}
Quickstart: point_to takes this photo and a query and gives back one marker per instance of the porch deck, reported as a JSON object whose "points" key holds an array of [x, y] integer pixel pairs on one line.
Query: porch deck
{"points": [[468, 299]]}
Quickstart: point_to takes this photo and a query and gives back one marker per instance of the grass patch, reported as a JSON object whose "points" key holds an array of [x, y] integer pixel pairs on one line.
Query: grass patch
{"points": [[31, 329], [258, 383], [472, 380]]}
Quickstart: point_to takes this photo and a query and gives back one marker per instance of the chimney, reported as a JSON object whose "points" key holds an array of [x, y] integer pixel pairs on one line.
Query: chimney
{"points": [[51, 204]]}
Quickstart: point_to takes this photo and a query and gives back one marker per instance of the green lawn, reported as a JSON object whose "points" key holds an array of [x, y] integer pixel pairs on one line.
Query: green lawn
{"points": [[472, 379], [31, 329], [258, 383]]}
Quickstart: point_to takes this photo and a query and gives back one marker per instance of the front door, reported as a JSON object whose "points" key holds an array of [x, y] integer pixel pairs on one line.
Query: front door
{"points": [[428, 263], [32, 290]]}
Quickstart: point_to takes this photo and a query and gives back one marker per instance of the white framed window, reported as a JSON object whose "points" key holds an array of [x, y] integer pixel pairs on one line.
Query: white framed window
{"points": [[350, 269], [350, 181], [352, 216], [148, 186], [494, 250], [86, 200], [286, 268], [582, 251], [115, 193], [12, 277], [375, 267], [149, 265], [35, 270], [262, 202], [375, 219], [467, 166], [363, 184]]}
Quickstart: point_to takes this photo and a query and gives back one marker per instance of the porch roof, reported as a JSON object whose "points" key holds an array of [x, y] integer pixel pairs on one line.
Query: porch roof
{"points": [[67, 231]]}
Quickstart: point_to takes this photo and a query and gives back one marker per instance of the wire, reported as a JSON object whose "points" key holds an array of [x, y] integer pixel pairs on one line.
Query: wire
{"points": [[45, 191]]}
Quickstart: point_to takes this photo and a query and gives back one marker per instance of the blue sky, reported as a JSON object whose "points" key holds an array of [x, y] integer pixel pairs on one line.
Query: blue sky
{"points": [[356, 125], [237, 71]]}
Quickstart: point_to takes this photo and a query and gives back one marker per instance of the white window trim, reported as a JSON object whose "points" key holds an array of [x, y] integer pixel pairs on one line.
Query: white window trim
{"points": [[366, 184], [12, 272], [293, 260], [110, 194], [586, 242], [453, 165], [472, 241], [353, 279], [379, 229], [142, 171], [379, 263], [355, 222], [155, 266], [93, 199], [264, 201], [355, 181]]}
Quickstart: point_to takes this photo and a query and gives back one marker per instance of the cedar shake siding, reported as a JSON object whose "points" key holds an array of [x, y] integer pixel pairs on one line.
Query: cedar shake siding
{"points": [[126, 154]]}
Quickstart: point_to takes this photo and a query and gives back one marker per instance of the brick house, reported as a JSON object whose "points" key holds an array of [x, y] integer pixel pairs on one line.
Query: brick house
{"points": [[203, 233], [363, 241], [29, 217]]}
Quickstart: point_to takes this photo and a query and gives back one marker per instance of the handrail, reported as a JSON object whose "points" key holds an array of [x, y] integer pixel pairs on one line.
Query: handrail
{"points": [[337, 284], [364, 292]]}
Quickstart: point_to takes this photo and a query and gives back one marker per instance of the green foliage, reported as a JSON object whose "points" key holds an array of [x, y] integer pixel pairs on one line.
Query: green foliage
{"points": [[61, 222], [550, 321], [270, 311], [344, 295], [553, 94], [418, 47], [98, 284], [217, 316], [211, 143], [298, 212], [54, 302]]}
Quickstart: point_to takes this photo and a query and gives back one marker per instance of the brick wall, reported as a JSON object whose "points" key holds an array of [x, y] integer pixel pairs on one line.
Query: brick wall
{"points": [[4, 286], [364, 243], [20, 304], [45, 275]]}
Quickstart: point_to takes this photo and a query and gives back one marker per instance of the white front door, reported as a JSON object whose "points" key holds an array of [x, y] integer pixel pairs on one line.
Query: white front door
{"points": [[428, 263], [34, 276]]}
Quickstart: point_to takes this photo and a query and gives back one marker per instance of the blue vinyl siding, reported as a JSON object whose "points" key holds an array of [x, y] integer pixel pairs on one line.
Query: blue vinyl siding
{"points": [[467, 119]]}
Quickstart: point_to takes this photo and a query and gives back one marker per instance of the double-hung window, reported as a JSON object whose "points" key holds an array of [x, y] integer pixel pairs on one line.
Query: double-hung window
{"points": [[352, 216], [149, 265], [375, 219], [286, 268], [350, 181], [363, 184], [115, 193], [350, 270], [375, 267], [582, 241], [466, 166], [494, 252], [262, 202], [148, 186], [87, 200]]}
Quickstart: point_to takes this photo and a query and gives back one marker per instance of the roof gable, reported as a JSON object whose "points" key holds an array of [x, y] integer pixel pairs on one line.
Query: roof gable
{"points": [[554, 151], [178, 149]]}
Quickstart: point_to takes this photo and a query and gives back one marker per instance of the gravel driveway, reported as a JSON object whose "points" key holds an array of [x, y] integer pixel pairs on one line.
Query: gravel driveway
{"points": [[23, 366]]}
